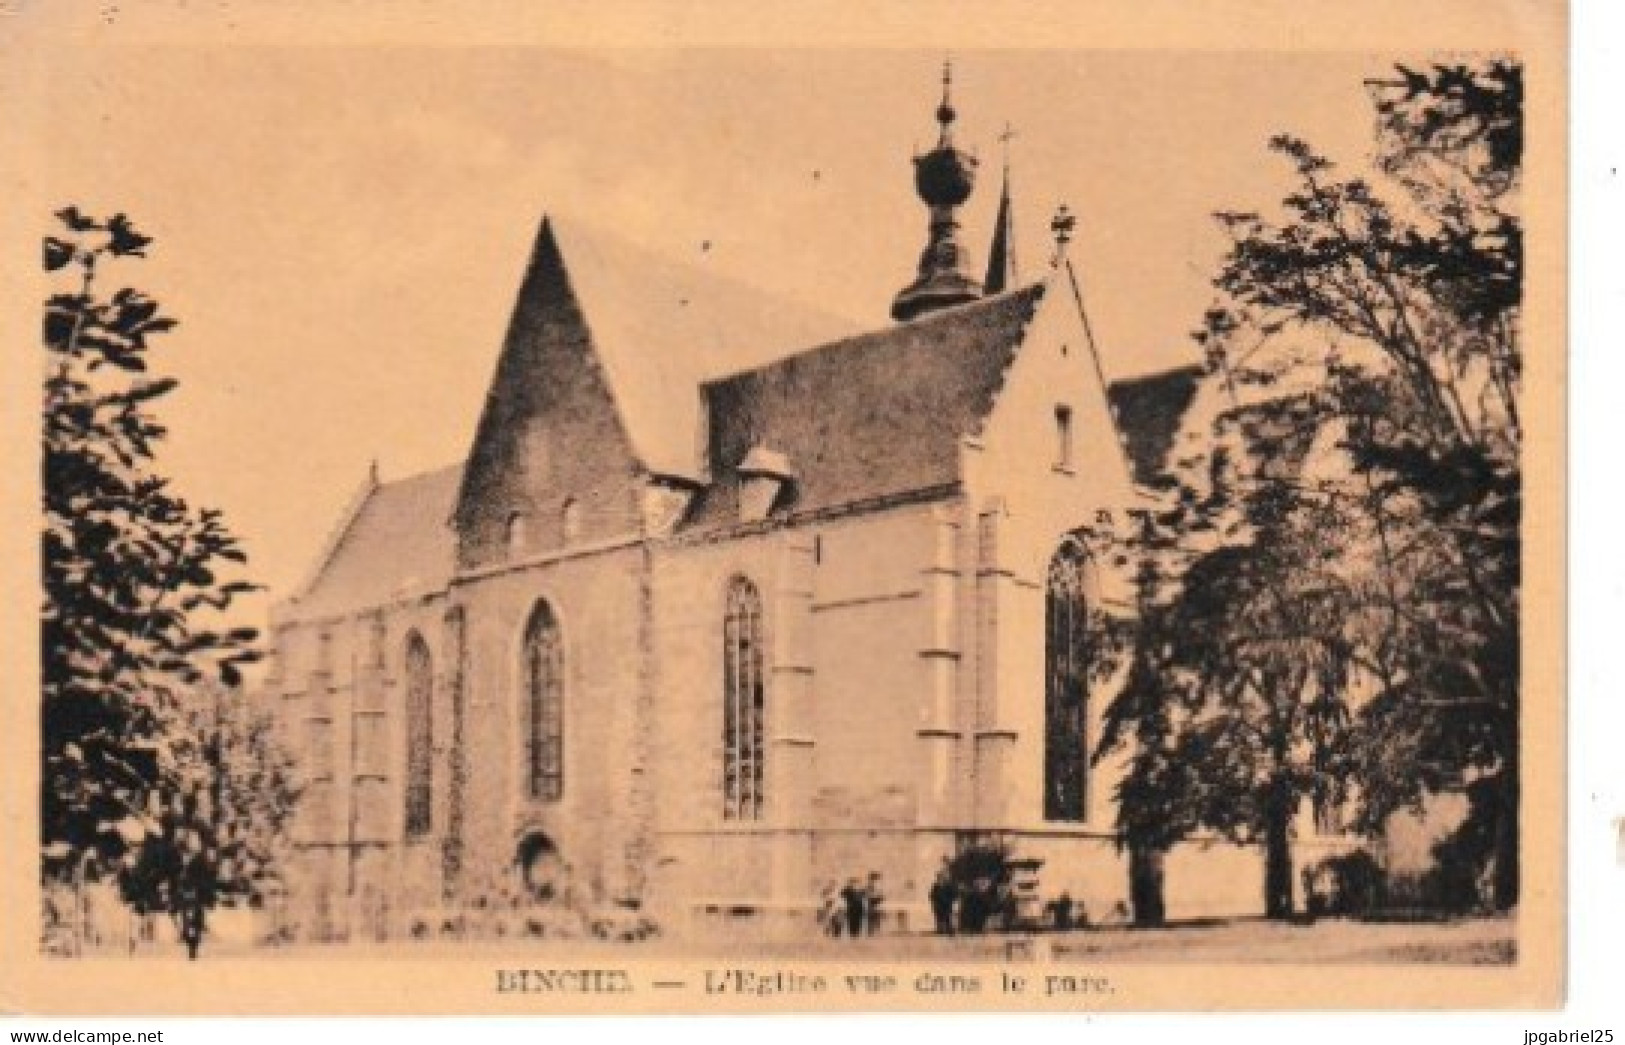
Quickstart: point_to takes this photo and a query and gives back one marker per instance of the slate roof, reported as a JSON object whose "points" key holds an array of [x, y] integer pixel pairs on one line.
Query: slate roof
{"points": [[857, 417], [871, 416], [662, 328], [1148, 411], [397, 542]]}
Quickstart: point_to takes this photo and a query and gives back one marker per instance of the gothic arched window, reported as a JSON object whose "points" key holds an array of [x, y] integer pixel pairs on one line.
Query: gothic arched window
{"points": [[743, 703], [1066, 687], [543, 676], [419, 737]]}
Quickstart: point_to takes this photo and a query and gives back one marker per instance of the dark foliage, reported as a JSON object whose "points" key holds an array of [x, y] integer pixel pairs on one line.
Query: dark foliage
{"points": [[132, 572], [1347, 634]]}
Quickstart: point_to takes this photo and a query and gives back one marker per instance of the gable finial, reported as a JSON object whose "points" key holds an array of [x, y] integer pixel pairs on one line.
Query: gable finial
{"points": [[1062, 226]]}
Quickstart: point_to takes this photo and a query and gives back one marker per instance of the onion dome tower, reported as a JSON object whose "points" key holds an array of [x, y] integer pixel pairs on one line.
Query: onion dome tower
{"points": [[943, 178]]}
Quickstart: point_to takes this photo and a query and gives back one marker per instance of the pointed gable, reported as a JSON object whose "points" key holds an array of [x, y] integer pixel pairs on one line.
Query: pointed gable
{"points": [[661, 328], [597, 386], [551, 442], [874, 416]]}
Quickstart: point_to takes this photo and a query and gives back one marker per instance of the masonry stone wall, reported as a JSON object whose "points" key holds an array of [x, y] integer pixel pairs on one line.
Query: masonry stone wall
{"points": [[337, 687], [591, 596], [845, 620]]}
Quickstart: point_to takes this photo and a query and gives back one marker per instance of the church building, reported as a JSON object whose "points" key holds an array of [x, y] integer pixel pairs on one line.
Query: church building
{"points": [[706, 639]]}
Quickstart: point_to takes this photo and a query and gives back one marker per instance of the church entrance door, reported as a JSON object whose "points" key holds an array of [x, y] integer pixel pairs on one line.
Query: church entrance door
{"points": [[541, 869]]}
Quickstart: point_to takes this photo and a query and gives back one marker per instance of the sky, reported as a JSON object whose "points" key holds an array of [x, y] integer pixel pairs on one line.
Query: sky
{"points": [[341, 230]]}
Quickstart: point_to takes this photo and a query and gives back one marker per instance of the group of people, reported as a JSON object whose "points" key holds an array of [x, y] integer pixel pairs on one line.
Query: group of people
{"points": [[982, 904], [854, 909], [957, 907], [986, 903]]}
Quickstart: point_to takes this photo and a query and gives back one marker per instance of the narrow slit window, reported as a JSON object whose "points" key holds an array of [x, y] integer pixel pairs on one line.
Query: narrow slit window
{"points": [[419, 738], [1063, 437]]}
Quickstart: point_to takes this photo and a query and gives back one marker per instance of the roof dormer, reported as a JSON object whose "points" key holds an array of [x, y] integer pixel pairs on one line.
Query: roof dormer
{"points": [[765, 477]]}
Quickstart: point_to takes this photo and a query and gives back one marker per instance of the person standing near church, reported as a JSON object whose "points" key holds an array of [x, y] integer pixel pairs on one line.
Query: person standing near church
{"points": [[194, 893], [829, 910], [873, 897], [856, 902], [942, 897]]}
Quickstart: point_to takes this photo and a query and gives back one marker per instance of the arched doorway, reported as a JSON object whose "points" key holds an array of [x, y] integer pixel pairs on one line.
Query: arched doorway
{"points": [[541, 868]]}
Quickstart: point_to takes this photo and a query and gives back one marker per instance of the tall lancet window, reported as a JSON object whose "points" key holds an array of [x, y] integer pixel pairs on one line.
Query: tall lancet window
{"points": [[744, 705], [544, 705], [1066, 687], [419, 738]]}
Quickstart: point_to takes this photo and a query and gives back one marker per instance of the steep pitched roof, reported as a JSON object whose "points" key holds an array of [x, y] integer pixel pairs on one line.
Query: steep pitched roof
{"points": [[397, 542], [1148, 411], [871, 416], [661, 328]]}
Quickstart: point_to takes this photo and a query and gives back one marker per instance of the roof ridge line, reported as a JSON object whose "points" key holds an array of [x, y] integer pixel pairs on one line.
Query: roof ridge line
{"points": [[924, 319], [572, 223]]}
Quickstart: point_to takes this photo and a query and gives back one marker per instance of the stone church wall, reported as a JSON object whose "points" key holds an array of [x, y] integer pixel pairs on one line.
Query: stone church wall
{"points": [[845, 620], [590, 596], [337, 686]]}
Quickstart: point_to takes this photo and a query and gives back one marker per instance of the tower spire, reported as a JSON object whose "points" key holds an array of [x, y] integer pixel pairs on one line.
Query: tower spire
{"points": [[1001, 259], [943, 178]]}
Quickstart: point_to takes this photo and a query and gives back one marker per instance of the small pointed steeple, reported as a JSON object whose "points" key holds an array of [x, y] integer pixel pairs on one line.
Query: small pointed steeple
{"points": [[1001, 259], [943, 178]]}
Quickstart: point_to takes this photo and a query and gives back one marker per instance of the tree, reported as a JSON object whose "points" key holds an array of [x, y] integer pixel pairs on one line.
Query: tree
{"points": [[132, 573], [1336, 605], [218, 829], [1412, 313], [1154, 803], [1235, 701]]}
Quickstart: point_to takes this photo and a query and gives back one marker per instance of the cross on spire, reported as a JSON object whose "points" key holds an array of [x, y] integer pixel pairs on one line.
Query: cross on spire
{"points": [[1005, 135]]}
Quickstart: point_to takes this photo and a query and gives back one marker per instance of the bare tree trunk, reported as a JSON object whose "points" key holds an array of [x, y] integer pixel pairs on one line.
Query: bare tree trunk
{"points": [[1145, 883], [1505, 885], [1278, 850]]}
